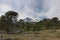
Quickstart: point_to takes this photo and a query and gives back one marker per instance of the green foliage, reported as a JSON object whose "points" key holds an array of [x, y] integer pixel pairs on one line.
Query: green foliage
{"points": [[9, 23], [6, 21]]}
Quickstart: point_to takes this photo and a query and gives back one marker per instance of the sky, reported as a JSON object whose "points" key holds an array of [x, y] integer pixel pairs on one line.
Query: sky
{"points": [[36, 9]]}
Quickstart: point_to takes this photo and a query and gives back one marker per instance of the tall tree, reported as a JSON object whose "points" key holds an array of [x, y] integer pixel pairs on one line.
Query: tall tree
{"points": [[11, 16]]}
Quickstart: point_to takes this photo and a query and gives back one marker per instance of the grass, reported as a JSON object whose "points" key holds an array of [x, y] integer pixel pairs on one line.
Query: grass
{"points": [[52, 34]]}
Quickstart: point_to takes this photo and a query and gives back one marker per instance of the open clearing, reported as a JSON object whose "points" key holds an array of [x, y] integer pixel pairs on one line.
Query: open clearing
{"points": [[52, 34]]}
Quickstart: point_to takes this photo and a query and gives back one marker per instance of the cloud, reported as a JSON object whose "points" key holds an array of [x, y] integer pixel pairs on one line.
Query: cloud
{"points": [[36, 9], [4, 8], [53, 8]]}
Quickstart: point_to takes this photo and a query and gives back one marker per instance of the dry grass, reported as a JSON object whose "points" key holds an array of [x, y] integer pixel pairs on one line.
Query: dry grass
{"points": [[41, 35]]}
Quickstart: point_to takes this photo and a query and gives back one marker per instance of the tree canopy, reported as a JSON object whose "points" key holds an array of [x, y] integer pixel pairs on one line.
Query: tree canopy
{"points": [[9, 23]]}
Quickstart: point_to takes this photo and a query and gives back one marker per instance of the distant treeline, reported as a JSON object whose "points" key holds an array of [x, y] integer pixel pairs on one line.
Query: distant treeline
{"points": [[9, 23]]}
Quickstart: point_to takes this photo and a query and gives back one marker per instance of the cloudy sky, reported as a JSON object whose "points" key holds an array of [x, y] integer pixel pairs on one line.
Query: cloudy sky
{"points": [[37, 9]]}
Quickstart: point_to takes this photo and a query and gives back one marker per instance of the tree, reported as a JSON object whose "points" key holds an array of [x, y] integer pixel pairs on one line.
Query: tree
{"points": [[11, 19], [21, 24], [11, 16], [2, 22], [54, 22], [54, 19]]}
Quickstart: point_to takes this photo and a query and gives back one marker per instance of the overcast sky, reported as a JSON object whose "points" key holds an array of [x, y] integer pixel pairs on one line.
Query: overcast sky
{"points": [[37, 9]]}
